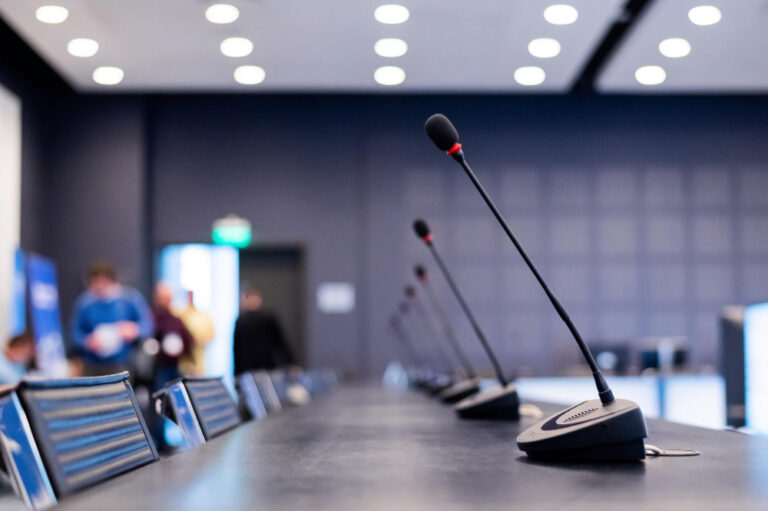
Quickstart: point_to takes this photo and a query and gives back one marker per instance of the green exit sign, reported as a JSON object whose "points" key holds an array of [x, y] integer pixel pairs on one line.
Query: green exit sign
{"points": [[232, 230]]}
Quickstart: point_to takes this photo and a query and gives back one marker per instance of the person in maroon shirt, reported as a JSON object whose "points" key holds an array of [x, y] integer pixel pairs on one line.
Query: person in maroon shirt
{"points": [[174, 340]]}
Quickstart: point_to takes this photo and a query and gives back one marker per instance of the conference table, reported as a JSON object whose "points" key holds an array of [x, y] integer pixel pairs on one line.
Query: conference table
{"points": [[9, 501], [369, 447]]}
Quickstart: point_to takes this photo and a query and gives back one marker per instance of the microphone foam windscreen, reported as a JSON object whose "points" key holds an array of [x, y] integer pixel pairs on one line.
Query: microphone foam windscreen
{"points": [[421, 228], [421, 272], [441, 131], [409, 291]]}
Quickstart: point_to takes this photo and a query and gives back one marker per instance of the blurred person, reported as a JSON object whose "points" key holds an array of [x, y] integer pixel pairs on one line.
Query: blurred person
{"points": [[174, 340], [200, 325], [171, 341], [108, 318], [17, 355], [259, 342], [75, 367]]}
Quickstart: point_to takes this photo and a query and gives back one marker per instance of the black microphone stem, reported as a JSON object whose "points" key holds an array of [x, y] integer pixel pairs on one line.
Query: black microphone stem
{"points": [[405, 341], [475, 326], [604, 391], [449, 333], [443, 358]]}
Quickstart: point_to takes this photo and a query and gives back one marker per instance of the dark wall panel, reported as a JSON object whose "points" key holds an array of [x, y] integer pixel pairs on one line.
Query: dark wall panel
{"points": [[24, 73], [95, 193], [641, 211], [35, 118], [646, 214], [291, 167]]}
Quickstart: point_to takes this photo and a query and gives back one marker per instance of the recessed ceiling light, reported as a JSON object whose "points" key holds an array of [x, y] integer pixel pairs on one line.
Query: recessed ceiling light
{"points": [[82, 47], [222, 13], [391, 14], [544, 48], [236, 47], [108, 75], [561, 14], [250, 75], [390, 47], [704, 15], [650, 75], [529, 75], [389, 75], [674, 47], [52, 14]]}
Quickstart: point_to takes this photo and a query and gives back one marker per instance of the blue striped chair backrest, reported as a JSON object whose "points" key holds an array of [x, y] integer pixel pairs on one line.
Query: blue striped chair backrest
{"points": [[87, 429], [214, 406], [248, 396]]}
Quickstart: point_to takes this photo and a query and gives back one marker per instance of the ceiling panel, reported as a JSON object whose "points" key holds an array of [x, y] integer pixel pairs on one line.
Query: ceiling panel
{"points": [[729, 56], [317, 45]]}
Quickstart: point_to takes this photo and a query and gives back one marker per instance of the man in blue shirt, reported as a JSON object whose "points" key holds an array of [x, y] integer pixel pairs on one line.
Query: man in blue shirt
{"points": [[108, 318]]}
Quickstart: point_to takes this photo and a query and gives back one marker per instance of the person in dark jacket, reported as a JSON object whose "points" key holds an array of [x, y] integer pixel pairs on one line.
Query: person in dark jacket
{"points": [[259, 342]]}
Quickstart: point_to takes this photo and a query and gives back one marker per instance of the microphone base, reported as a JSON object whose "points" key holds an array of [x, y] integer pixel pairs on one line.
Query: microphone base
{"points": [[497, 403], [460, 390], [438, 383], [589, 431]]}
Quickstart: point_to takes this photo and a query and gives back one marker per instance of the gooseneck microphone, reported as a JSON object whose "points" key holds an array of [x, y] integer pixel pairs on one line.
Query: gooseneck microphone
{"points": [[450, 335], [497, 403], [607, 429], [445, 137], [424, 371], [463, 388], [415, 370], [442, 358], [424, 233], [396, 325]]}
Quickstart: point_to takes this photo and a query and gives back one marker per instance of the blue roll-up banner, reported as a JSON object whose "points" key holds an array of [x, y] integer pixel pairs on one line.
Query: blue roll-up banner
{"points": [[44, 313], [19, 297]]}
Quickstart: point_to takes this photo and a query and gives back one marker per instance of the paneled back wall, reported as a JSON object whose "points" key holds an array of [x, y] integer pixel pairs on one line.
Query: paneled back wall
{"points": [[646, 219], [646, 214]]}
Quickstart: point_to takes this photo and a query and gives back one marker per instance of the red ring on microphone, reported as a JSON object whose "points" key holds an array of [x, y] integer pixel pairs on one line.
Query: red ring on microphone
{"points": [[428, 238], [454, 149]]}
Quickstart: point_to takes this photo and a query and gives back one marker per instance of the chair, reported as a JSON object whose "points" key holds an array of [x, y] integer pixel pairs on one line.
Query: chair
{"points": [[280, 384], [317, 381], [290, 387], [60, 436], [267, 391], [251, 403], [202, 407]]}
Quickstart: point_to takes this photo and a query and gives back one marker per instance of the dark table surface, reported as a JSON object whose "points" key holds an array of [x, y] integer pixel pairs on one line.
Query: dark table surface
{"points": [[366, 447], [9, 501]]}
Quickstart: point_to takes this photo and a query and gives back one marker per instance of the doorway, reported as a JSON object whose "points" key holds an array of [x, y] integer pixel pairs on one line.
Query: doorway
{"points": [[278, 273]]}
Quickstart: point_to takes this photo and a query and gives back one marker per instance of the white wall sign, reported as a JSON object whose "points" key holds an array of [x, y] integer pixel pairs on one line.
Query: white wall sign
{"points": [[336, 297]]}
